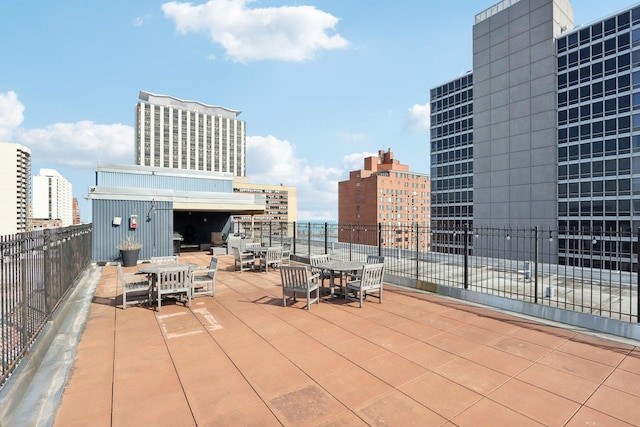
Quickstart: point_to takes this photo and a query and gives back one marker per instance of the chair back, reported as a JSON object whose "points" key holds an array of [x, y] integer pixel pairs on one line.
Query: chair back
{"points": [[236, 252], [175, 280], [164, 259], [121, 274], [315, 260], [286, 252], [213, 268], [372, 276], [375, 259], [273, 254], [252, 246], [294, 277], [287, 242]]}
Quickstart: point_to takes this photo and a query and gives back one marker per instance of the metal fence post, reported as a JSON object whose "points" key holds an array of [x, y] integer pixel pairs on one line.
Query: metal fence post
{"points": [[417, 239], [25, 297], [638, 279], [535, 264], [309, 239], [47, 271], [466, 256], [351, 242], [326, 237], [294, 237], [379, 239]]}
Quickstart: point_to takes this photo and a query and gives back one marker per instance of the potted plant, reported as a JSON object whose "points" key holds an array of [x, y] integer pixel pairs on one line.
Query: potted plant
{"points": [[129, 250]]}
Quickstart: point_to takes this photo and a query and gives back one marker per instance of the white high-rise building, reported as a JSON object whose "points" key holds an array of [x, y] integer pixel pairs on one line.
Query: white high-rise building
{"points": [[174, 133], [52, 197], [15, 179]]}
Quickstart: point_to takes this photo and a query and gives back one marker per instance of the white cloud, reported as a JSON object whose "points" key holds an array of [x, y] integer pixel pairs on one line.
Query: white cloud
{"points": [[274, 161], [419, 117], [11, 115], [80, 144], [355, 161], [70, 144], [138, 22], [287, 33]]}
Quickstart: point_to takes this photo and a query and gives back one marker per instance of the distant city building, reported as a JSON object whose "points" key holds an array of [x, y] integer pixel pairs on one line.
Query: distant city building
{"points": [[76, 211], [281, 206], [15, 188], [545, 132], [451, 161], [52, 197], [45, 223], [386, 192], [178, 134]]}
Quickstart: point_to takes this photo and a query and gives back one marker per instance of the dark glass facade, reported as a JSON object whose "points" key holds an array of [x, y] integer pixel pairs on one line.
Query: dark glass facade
{"points": [[451, 160], [598, 70]]}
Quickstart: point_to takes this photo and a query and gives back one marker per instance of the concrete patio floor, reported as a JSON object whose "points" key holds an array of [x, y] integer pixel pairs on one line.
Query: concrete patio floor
{"points": [[242, 358]]}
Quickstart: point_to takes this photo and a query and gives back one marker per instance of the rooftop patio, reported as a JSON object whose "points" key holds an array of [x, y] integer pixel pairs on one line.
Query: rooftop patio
{"points": [[242, 358]]}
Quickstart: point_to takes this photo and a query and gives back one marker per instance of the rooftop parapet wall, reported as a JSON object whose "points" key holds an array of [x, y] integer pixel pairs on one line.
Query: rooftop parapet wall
{"points": [[498, 7], [170, 101]]}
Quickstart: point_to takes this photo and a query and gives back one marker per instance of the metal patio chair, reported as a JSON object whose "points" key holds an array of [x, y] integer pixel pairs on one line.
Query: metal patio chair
{"points": [[174, 281], [371, 280], [371, 259], [295, 280], [134, 286], [203, 280], [321, 274], [271, 258], [243, 261]]}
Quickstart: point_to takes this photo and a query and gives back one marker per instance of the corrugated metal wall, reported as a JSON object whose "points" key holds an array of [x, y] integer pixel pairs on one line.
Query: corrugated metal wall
{"points": [[154, 230], [178, 183]]}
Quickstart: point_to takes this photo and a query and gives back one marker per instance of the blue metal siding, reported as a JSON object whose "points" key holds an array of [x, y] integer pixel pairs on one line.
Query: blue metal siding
{"points": [[154, 230], [178, 183]]}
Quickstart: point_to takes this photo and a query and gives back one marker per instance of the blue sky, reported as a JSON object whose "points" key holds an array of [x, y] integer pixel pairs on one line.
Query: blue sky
{"points": [[321, 83]]}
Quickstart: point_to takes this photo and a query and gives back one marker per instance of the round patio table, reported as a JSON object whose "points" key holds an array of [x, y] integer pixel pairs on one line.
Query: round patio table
{"points": [[337, 266]]}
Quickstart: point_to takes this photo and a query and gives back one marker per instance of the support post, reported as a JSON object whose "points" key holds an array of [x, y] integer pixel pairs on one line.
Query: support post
{"points": [[466, 256]]}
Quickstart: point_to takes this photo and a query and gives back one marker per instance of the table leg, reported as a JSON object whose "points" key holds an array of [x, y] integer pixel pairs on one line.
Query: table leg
{"points": [[332, 283]]}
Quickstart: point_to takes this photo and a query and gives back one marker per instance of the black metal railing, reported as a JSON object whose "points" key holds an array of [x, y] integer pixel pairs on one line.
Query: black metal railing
{"points": [[36, 271], [587, 271]]}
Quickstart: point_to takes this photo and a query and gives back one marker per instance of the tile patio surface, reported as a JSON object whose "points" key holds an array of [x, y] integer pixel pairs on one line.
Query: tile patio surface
{"points": [[242, 358]]}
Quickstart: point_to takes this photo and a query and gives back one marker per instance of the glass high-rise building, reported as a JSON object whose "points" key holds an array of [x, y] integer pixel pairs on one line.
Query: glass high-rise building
{"points": [[451, 162], [174, 133], [553, 133], [598, 68]]}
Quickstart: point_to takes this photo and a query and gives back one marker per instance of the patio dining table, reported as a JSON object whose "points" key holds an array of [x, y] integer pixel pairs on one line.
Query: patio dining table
{"points": [[153, 271], [337, 266]]}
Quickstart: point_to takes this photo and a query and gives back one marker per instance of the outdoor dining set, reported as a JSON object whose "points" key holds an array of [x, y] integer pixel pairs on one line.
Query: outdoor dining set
{"points": [[256, 257], [164, 277], [360, 279]]}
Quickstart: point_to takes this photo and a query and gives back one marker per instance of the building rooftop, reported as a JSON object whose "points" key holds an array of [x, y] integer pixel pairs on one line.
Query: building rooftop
{"points": [[498, 7], [170, 101], [242, 358]]}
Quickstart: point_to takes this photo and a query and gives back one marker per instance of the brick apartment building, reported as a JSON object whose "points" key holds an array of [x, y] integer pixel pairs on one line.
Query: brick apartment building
{"points": [[385, 192]]}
